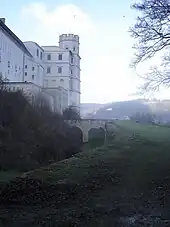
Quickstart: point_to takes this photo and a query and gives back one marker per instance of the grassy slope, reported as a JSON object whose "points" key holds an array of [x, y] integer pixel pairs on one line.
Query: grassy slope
{"points": [[103, 187]]}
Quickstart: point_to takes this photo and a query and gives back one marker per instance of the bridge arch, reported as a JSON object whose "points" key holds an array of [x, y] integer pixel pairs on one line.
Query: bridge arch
{"points": [[85, 125], [77, 131], [95, 131], [96, 136]]}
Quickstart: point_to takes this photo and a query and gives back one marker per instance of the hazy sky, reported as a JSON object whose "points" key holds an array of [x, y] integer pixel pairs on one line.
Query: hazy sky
{"points": [[106, 47]]}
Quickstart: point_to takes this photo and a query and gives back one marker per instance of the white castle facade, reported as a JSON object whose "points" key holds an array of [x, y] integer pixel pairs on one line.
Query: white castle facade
{"points": [[52, 71]]}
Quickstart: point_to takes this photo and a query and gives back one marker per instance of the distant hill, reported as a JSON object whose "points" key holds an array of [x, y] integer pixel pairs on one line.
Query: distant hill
{"points": [[125, 109]]}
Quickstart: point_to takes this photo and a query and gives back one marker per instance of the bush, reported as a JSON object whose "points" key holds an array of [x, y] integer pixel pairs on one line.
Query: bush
{"points": [[31, 136]]}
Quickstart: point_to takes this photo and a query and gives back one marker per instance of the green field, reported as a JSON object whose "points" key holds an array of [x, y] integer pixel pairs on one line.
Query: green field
{"points": [[152, 132], [124, 183]]}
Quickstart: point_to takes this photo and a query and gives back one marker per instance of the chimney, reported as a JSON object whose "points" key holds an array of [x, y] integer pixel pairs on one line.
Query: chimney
{"points": [[3, 20]]}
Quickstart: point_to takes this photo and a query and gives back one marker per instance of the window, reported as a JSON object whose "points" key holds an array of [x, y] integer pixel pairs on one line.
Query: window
{"points": [[71, 84], [32, 77], [72, 60], [60, 57], [41, 55], [25, 66], [59, 70], [37, 52], [48, 70], [25, 73], [71, 71], [74, 48], [61, 80], [33, 68], [66, 48], [49, 57], [8, 64]]}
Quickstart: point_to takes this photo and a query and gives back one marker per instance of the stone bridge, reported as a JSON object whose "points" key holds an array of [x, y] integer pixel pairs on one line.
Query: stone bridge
{"points": [[86, 124]]}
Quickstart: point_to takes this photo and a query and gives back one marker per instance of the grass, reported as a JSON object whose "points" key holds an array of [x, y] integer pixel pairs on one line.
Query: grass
{"points": [[6, 176], [124, 183], [153, 132]]}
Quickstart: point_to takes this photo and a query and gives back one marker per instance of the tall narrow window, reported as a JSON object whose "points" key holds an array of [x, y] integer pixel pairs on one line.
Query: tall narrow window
{"points": [[25, 66], [72, 60], [74, 48], [71, 84], [0, 54], [32, 77], [60, 57], [41, 55], [49, 57], [33, 68], [48, 70], [8, 64], [59, 70], [37, 52]]}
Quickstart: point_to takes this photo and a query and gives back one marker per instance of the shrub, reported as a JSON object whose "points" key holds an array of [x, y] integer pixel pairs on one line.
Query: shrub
{"points": [[31, 136]]}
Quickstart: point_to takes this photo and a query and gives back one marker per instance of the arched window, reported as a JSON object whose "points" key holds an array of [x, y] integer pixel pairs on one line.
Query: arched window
{"points": [[61, 80]]}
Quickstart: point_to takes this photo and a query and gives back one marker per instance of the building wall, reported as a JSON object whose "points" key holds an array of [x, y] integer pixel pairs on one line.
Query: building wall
{"points": [[34, 67], [32, 92], [71, 42], [54, 77], [69, 75], [60, 98], [11, 58], [36, 51], [27, 67]]}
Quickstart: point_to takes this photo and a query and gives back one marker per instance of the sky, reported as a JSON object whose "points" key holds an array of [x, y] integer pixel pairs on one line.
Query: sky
{"points": [[105, 43]]}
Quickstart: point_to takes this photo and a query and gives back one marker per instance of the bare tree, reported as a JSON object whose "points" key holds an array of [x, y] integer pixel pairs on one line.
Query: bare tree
{"points": [[152, 28], [152, 34]]}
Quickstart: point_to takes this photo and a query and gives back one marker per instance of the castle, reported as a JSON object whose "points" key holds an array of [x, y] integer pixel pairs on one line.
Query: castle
{"points": [[52, 71]]}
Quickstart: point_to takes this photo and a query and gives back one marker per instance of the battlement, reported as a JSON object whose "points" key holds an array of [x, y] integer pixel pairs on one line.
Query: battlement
{"points": [[70, 37]]}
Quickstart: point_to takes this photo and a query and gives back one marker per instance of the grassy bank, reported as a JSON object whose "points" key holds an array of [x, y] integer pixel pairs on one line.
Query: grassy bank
{"points": [[125, 183]]}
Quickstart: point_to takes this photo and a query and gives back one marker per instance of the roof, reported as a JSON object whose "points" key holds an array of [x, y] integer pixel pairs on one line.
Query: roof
{"points": [[53, 49], [34, 43], [14, 38]]}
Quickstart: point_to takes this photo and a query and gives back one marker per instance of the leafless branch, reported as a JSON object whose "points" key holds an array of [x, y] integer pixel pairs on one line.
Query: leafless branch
{"points": [[152, 29]]}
